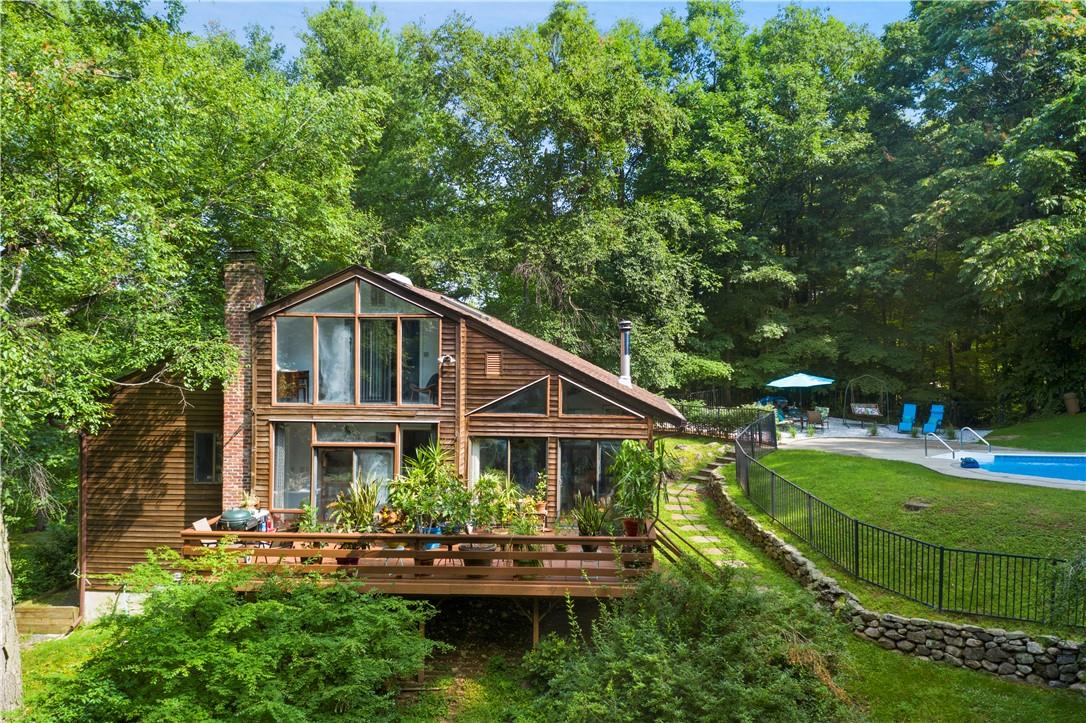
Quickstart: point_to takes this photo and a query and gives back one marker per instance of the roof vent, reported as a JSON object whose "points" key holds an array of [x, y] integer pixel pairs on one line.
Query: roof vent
{"points": [[399, 278]]}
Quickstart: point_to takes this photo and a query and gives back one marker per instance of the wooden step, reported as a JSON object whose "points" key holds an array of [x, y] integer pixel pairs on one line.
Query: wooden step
{"points": [[48, 619]]}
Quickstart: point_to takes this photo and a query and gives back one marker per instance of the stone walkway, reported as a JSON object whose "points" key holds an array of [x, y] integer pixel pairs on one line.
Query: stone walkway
{"points": [[686, 511]]}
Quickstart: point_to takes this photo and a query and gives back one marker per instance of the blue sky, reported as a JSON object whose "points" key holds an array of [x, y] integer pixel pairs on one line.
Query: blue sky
{"points": [[286, 18]]}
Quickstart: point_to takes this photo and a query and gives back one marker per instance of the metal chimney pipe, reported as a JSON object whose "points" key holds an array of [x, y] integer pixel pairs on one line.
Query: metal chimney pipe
{"points": [[624, 377]]}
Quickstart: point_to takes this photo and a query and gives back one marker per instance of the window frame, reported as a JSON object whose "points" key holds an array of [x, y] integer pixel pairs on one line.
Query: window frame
{"points": [[597, 442], [482, 409], [473, 461], [216, 457], [358, 315], [396, 446], [563, 380]]}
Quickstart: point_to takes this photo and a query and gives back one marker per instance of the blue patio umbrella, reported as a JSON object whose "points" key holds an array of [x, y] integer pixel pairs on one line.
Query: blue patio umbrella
{"points": [[799, 380]]}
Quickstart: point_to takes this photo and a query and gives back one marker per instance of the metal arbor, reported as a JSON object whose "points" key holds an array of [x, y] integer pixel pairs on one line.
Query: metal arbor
{"points": [[862, 384]]}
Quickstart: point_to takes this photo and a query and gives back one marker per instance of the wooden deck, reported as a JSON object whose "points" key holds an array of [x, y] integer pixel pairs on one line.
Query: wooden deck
{"points": [[535, 566]]}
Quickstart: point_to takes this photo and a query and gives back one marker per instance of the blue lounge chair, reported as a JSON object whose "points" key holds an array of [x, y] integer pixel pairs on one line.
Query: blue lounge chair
{"points": [[908, 419], [935, 419]]}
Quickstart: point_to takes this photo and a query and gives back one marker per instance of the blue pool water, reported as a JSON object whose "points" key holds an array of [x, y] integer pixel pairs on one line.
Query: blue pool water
{"points": [[1059, 467]]}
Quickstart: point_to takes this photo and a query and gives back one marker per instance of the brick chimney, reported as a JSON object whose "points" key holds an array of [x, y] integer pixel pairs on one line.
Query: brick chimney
{"points": [[244, 284]]}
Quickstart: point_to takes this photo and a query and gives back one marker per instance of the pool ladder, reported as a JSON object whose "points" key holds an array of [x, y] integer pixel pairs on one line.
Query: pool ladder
{"points": [[937, 438], [961, 438]]}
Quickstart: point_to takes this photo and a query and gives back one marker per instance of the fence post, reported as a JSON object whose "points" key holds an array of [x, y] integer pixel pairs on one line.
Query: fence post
{"points": [[810, 521], [773, 495], [1052, 593], [855, 547], [942, 555]]}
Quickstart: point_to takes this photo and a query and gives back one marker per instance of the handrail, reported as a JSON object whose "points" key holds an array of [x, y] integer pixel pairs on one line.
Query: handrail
{"points": [[961, 438], [936, 437]]}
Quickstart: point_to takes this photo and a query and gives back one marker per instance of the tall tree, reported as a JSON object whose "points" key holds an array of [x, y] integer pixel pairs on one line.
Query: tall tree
{"points": [[134, 156]]}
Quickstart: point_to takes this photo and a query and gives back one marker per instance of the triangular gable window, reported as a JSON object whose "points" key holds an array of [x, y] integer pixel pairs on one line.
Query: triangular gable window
{"points": [[529, 399], [576, 400], [375, 300], [338, 300]]}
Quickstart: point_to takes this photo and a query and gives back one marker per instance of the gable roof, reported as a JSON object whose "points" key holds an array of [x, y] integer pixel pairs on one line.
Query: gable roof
{"points": [[575, 367]]}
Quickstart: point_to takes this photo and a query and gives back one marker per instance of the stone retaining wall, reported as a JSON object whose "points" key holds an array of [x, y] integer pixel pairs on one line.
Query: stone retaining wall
{"points": [[1045, 660]]}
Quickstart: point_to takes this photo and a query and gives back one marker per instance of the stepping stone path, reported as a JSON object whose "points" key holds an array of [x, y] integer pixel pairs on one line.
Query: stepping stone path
{"points": [[682, 499]]}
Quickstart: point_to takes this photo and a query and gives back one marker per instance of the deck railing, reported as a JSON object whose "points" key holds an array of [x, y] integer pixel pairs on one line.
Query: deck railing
{"points": [[947, 579], [477, 564]]}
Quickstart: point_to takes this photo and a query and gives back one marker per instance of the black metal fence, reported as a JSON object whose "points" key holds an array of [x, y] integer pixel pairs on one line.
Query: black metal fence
{"points": [[973, 582]]}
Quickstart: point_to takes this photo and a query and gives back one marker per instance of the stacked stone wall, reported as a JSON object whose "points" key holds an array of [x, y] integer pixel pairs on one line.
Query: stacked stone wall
{"points": [[1012, 655]]}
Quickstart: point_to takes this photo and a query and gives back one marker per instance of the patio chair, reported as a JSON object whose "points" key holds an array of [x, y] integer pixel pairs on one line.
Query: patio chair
{"points": [[815, 418], [935, 419], [202, 525], [908, 419]]}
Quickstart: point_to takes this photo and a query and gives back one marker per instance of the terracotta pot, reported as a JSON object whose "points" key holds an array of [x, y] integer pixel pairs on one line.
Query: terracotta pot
{"points": [[631, 526]]}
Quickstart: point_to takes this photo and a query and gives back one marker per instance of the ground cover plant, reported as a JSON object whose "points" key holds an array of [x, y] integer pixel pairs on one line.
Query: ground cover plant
{"points": [[1061, 433], [694, 644], [298, 651]]}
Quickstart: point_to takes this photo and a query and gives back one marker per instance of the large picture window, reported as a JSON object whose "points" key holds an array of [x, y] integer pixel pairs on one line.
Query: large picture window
{"points": [[585, 469], [418, 361], [336, 360], [357, 344], [519, 458], [293, 358], [315, 461]]}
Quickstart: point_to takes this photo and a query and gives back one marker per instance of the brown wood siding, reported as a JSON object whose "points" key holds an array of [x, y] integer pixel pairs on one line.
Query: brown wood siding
{"points": [[138, 475], [516, 370], [519, 369]]}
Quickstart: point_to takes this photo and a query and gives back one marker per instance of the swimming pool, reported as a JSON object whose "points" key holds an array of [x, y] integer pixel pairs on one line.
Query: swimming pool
{"points": [[1037, 465]]}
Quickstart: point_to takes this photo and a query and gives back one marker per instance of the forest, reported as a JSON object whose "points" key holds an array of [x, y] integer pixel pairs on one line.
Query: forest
{"points": [[800, 195]]}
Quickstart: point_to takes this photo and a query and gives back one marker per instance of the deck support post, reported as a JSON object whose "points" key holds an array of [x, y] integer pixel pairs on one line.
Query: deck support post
{"points": [[535, 622]]}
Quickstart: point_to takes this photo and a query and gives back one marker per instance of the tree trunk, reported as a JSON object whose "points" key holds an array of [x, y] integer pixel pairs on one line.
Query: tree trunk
{"points": [[11, 674]]}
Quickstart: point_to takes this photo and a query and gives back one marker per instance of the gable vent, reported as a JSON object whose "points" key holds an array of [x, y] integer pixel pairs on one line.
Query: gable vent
{"points": [[494, 364]]}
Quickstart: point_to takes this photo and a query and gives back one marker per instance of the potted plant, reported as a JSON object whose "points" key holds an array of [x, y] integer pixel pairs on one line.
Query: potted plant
{"points": [[426, 492], [355, 510], [637, 471], [593, 519], [309, 521], [540, 495], [494, 501], [249, 501], [524, 525]]}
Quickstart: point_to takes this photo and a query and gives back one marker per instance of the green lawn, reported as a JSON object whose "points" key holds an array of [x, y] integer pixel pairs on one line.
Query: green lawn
{"points": [[1062, 433], [56, 659], [964, 513]]}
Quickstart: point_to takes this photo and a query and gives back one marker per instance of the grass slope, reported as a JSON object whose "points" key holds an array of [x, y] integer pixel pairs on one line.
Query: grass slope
{"points": [[889, 686], [1062, 433], [966, 513]]}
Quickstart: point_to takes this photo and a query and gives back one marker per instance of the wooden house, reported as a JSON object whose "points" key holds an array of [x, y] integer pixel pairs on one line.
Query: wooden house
{"points": [[349, 376]]}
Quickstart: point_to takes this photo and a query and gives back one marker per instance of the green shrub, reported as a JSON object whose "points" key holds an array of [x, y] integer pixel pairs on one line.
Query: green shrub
{"points": [[42, 561], [692, 646], [287, 652]]}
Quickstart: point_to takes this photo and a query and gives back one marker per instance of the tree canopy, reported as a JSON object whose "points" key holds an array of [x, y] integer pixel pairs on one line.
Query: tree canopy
{"points": [[796, 195]]}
